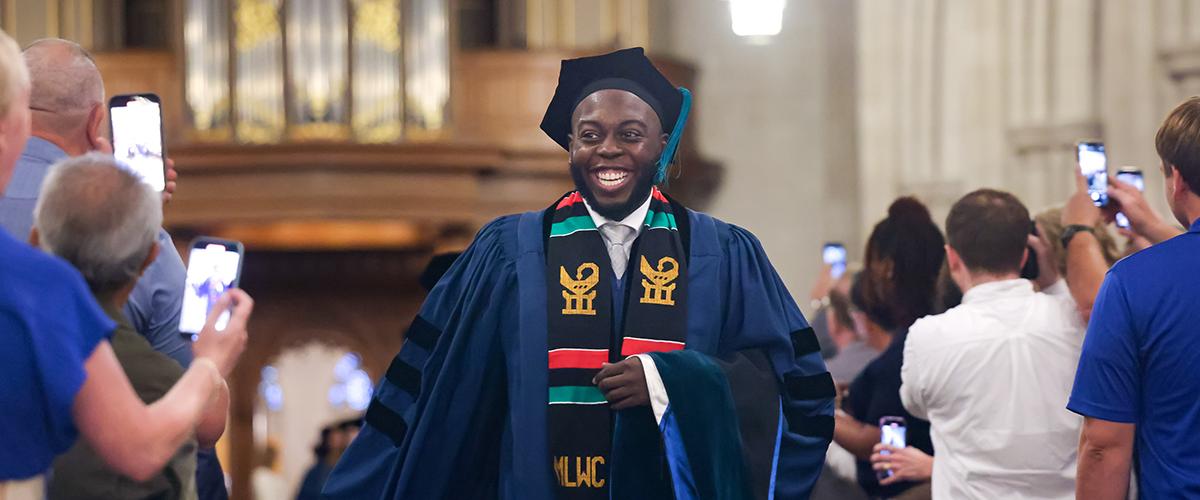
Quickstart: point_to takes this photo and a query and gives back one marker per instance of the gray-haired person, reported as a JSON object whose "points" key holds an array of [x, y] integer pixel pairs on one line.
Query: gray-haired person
{"points": [[104, 220]]}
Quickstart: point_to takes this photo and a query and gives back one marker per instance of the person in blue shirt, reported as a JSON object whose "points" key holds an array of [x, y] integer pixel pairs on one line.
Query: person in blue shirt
{"points": [[61, 378], [1138, 375], [67, 104]]}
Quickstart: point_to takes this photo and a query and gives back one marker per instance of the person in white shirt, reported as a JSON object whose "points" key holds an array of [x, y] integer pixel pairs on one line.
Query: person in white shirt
{"points": [[993, 375]]}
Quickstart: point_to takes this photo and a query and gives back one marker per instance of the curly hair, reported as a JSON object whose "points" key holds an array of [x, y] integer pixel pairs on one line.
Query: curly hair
{"points": [[904, 254]]}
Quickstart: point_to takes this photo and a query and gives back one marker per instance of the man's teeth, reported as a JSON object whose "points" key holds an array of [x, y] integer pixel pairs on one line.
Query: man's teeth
{"points": [[611, 177]]}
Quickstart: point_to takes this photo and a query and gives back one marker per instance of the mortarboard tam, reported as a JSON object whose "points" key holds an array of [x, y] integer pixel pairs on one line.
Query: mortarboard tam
{"points": [[629, 70]]}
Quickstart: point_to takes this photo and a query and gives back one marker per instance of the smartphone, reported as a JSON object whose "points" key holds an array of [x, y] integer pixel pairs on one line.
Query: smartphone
{"points": [[1093, 164], [137, 136], [1031, 271], [891, 432], [1133, 177], [834, 255], [214, 266]]}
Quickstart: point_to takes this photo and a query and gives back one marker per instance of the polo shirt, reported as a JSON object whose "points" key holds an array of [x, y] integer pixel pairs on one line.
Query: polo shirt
{"points": [[1140, 364]]}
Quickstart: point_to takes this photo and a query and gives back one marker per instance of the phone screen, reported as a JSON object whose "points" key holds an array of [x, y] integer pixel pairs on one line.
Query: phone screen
{"points": [[213, 267], [1093, 164], [137, 136], [834, 254], [891, 432], [1135, 179]]}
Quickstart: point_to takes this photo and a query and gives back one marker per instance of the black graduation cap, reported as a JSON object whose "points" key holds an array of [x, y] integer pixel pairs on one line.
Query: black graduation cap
{"points": [[626, 69]]}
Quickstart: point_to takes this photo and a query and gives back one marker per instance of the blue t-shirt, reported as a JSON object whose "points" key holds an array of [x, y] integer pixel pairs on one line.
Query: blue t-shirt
{"points": [[1141, 362], [49, 326]]}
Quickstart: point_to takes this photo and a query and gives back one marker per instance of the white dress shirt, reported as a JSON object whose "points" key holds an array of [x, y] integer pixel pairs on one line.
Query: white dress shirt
{"points": [[636, 220], [993, 376]]}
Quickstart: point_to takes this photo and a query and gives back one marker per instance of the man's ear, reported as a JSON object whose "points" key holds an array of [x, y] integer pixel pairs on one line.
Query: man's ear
{"points": [[95, 120], [150, 256], [1024, 259], [953, 259]]}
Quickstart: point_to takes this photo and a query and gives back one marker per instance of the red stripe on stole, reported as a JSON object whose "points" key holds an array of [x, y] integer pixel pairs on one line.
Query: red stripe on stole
{"points": [[577, 358], [632, 346], [659, 196], [571, 199]]}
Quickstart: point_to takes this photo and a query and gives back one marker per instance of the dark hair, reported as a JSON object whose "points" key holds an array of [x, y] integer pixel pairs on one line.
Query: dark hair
{"points": [[949, 295], [352, 423], [904, 253], [322, 447], [990, 230], [1178, 142]]}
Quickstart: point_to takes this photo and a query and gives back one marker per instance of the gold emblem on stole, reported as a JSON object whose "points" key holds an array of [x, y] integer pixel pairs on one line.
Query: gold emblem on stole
{"points": [[658, 284], [577, 296]]}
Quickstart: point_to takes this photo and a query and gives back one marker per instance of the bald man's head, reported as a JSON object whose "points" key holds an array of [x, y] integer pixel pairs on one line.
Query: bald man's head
{"points": [[67, 92]]}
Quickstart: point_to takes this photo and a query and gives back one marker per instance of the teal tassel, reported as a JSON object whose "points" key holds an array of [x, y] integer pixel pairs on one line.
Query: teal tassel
{"points": [[673, 141]]}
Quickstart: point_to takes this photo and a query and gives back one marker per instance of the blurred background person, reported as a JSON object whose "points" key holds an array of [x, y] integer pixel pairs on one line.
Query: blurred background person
{"points": [[266, 479], [103, 219], [991, 374], [858, 339], [324, 461], [903, 257]]}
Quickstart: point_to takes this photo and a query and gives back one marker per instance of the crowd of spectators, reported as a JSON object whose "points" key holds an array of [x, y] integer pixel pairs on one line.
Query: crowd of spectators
{"points": [[1036, 356]]}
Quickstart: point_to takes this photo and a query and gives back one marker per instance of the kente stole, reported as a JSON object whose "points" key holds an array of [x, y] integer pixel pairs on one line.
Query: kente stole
{"points": [[582, 334]]}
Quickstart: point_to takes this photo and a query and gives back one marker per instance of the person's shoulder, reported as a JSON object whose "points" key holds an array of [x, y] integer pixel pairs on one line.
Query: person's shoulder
{"points": [[25, 266], [934, 330], [1166, 254], [498, 238]]}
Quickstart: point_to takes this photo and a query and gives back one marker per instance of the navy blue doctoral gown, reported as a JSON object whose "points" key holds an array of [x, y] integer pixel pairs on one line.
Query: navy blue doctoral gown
{"points": [[461, 412]]}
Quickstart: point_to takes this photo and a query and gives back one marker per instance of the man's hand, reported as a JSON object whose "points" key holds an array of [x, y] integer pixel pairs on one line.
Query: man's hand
{"points": [[1143, 220], [906, 464], [1080, 210], [171, 175], [224, 347], [623, 384]]}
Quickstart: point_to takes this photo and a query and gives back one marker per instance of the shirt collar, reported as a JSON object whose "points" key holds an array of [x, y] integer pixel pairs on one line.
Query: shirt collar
{"points": [[997, 290], [43, 150], [635, 220], [1195, 227]]}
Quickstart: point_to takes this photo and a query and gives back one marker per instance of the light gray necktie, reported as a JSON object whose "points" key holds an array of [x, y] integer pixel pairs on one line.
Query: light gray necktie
{"points": [[619, 237]]}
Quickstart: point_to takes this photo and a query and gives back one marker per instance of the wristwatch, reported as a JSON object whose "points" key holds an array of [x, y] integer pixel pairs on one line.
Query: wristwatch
{"points": [[1070, 231]]}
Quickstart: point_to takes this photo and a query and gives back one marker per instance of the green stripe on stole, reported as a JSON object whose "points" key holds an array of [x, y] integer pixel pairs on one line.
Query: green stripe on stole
{"points": [[576, 394], [572, 225]]}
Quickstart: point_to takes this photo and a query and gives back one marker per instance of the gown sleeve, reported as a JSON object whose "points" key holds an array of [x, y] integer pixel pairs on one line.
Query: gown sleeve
{"points": [[764, 397], [434, 424]]}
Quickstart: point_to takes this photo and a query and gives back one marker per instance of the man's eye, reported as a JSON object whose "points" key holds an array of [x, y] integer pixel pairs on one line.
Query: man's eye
{"points": [[632, 134]]}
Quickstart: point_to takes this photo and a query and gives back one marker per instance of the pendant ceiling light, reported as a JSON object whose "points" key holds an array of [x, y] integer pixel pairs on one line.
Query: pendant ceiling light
{"points": [[756, 18]]}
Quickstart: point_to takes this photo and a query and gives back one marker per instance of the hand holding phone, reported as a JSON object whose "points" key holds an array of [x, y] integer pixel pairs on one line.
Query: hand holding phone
{"points": [[224, 348], [834, 255], [891, 432], [214, 267], [136, 121], [1133, 177], [1093, 164]]}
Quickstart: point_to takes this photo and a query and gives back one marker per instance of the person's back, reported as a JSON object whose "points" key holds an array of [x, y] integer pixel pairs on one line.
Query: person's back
{"points": [[992, 376], [1146, 349], [82, 474]]}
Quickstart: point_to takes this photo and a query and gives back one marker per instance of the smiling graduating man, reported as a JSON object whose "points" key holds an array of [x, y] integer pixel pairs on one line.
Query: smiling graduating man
{"points": [[614, 345]]}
